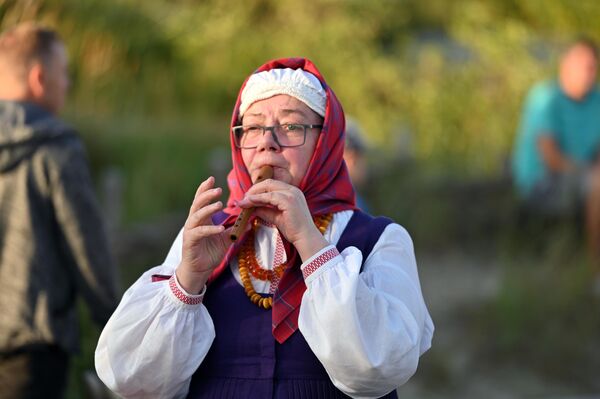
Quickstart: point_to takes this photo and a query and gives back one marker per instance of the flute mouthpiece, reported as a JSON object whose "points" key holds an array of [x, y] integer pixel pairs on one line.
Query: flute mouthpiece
{"points": [[265, 172]]}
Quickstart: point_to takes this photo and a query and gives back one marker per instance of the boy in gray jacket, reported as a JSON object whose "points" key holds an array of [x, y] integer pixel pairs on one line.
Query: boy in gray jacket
{"points": [[52, 239]]}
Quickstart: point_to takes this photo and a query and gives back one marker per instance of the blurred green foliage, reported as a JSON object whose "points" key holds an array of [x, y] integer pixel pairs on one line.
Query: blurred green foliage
{"points": [[451, 74]]}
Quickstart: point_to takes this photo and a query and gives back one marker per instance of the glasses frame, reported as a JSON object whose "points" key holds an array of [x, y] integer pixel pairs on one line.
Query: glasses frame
{"points": [[237, 139]]}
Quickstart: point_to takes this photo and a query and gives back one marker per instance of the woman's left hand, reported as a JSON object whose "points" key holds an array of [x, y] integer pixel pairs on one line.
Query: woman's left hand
{"points": [[284, 206]]}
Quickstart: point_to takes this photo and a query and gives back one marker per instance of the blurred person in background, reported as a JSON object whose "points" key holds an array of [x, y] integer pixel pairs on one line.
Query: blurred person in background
{"points": [[355, 156], [52, 239], [555, 159], [315, 300]]}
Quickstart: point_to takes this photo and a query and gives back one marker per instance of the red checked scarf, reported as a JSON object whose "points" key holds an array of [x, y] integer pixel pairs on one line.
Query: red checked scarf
{"points": [[326, 186]]}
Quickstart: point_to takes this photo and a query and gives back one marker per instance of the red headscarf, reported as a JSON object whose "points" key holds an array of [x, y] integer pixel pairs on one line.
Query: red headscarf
{"points": [[326, 187]]}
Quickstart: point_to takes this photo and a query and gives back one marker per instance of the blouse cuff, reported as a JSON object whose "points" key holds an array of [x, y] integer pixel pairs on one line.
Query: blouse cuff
{"points": [[182, 295], [319, 262]]}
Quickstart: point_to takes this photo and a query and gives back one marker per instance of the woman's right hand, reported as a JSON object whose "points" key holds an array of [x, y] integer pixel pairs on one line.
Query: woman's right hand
{"points": [[204, 244]]}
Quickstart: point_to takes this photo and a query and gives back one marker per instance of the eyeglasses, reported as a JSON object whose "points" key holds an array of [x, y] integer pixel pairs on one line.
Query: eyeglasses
{"points": [[287, 135]]}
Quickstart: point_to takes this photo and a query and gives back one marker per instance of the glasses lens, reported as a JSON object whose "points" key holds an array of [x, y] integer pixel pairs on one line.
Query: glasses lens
{"points": [[237, 135], [247, 136], [290, 135]]}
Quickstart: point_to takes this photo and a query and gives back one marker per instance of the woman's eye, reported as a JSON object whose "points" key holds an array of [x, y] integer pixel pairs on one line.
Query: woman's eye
{"points": [[252, 129], [290, 127]]}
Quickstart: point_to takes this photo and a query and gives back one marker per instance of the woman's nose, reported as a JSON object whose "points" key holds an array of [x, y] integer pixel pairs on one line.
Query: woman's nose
{"points": [[268, 141]]}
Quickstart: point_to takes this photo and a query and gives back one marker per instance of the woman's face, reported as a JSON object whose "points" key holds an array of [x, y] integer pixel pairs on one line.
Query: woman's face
{"points": [[289, 163]]}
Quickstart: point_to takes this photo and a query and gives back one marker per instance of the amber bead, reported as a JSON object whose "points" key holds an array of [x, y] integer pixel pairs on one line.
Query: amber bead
{"points": [[248, 264]]}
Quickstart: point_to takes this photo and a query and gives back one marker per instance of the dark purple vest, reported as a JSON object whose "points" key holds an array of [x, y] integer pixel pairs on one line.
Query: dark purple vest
{"points": [[245, 361]]}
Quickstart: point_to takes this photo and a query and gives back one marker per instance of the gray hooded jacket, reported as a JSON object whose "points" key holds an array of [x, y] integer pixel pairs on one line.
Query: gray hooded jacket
{"points": [[52, 239]]}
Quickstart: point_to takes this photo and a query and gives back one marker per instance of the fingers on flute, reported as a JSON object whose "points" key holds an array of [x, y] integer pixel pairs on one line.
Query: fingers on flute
{"points": [[269, 185], [205, 185], [202, 215], [265, 214], [204, 198], [272, 198], [205, 231]]}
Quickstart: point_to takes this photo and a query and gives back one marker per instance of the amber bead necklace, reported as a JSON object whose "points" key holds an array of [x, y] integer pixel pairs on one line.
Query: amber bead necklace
{"points": [[248, 264]]}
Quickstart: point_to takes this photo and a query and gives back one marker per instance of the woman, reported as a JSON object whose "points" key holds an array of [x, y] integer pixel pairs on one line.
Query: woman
{"points": [[347, 316]]}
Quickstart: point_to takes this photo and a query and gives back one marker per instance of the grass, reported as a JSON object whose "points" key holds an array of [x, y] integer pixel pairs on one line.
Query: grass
{"points": [[545, 315], [84, 360]]}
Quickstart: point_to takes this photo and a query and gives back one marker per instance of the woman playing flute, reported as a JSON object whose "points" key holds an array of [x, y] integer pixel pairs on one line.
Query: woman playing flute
{"points": [[315, 299]]}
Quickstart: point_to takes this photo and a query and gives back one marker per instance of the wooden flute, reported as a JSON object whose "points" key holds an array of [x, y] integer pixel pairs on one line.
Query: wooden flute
{"points": [[266, 172]]}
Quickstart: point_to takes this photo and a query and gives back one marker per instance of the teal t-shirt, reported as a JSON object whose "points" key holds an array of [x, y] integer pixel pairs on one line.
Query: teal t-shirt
{"points": [[574, 125]]}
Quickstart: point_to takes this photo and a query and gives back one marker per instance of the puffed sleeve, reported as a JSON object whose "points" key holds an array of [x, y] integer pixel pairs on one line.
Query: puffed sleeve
{"points": [[157, 337], [367, 328]]}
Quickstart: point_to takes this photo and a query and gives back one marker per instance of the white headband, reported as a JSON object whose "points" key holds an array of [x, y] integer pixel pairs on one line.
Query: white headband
{"points": [[294, 82]]}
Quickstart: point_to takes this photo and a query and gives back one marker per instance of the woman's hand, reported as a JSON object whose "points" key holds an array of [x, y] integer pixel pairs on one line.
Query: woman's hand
{"points": [[204, 244], [284, 205]]}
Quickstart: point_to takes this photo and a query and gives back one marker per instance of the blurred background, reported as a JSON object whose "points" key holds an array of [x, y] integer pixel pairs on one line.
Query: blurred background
{"points": [[437, 87]]}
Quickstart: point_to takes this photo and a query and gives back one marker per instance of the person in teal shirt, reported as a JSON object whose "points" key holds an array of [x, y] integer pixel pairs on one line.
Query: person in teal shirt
{"points": [[555, 160]]}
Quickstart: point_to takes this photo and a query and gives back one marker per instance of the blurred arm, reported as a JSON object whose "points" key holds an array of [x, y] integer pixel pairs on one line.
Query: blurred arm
{"points": [[555, 160]]}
